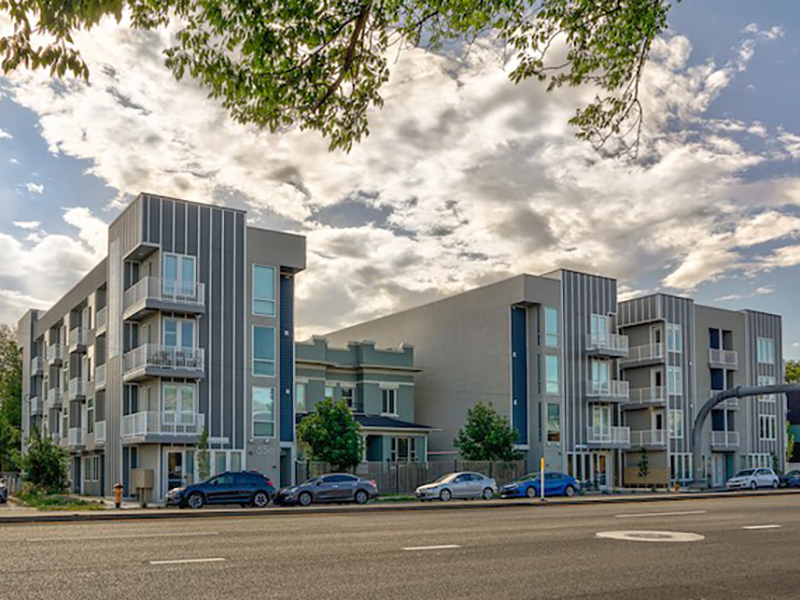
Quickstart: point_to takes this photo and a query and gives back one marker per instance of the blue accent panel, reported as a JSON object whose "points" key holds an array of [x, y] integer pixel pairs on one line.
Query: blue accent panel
{"points": [[717, 379], [519, 372], [287, 358], [713, 339]]}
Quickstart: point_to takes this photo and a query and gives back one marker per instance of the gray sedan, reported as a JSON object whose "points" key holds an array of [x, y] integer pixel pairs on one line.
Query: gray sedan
{"points": [[336, 487], [458, 485]]}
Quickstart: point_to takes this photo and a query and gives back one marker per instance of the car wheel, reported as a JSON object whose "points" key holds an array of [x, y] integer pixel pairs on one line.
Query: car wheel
{"points": [[361, 497], [445, 495], [305, 499], [774, 485], [196, 500], [530, 492], [488, 494], [753, 485], [569, 492], [260, 499]]}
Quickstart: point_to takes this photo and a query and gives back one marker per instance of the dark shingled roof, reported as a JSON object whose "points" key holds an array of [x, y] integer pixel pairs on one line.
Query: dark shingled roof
{"points": [[380, 421]]}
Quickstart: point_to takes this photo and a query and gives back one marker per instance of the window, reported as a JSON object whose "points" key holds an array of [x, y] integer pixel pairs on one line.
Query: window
{"points": [[177, 406], [178, 333], [264, 351], [389, 401], [674, 338], [767, 427], [676, 423], [330, 393], [404, 450], [263, 412], [220, 466], [717, 379], [263, 291], [600, 370], [551, 372], [553, 422], [236, 460], [599, 328], [675, 381], [179, 276], [90, 416], [766, 380], [550, 326], [349, 397], [766, 350], [300, 398]]}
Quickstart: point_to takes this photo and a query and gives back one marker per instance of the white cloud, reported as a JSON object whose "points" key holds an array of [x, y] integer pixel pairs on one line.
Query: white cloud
{"points": [[27, 224], [34, 188], [761, 291], [4, 135]]}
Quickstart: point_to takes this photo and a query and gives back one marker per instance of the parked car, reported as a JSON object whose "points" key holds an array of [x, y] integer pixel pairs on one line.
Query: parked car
{"points": [[3, 492], [752, 479], [790, 479], [247, 488], [555, 484], [334, 487], [465, 485]]}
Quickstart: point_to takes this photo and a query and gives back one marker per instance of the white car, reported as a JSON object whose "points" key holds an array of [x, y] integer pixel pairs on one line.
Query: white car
{"points": [[750, 479], [458, 485]]}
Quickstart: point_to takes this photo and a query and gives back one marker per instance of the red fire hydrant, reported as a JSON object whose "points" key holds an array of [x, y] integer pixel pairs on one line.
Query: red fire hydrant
{"points": [[118, 495]]}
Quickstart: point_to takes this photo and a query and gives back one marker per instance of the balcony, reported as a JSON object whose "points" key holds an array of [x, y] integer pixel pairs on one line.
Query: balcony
{"points": [[37, 406], [653, 438], [162, 427], [100, 432], [78, 340], [101, 321], [642, 356], [76, 389], [609, 437], [723, 359], [609, 390], [152, 360], [647, 397], [724, 440], [37, 366], [153, 293], [55, 354], [53, 398], [75, 437], [607, 344], [100, 377]]}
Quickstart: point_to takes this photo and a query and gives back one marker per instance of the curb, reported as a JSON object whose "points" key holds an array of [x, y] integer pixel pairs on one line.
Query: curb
{"points": [[111, 515]]}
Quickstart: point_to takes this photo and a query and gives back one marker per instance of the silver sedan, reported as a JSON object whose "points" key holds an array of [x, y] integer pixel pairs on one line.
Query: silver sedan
{"points": [[464, 485]]}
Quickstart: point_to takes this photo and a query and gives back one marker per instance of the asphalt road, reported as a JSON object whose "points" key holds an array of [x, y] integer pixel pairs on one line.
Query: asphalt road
{"points": [[518, 553]]}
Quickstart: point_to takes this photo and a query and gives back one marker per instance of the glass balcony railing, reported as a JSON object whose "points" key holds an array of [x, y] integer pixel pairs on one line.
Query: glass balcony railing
{"points": [[142, 424]]}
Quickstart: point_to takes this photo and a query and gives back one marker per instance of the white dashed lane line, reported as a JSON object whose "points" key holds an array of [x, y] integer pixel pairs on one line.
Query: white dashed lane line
{"points": [[762, 527], [662, 514], [186, 561], [444, 547]]}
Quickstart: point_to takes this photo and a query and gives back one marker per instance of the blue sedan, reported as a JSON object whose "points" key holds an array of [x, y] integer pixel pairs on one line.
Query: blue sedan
{"points": [[555, 484]]}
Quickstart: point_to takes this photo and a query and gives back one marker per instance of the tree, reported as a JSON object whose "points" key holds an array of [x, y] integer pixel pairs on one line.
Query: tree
{"points": [[203, 456], [790, 441], [793, 371], [10, 377], [45, 465], [9, 444], [644, 464], [332, 435], [320, 64], [487, 435]]}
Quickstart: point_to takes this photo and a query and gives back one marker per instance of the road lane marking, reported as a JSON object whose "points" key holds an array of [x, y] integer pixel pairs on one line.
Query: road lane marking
{"points": [[762, 527], [185, 561], [651, 536], [444, 547], [662, 514], [132, 536]]}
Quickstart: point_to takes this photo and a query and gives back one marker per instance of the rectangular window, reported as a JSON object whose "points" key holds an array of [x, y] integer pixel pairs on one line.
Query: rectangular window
{"points": [[766, 350], [675, 423], [403, 450], [553, 422], [263, 412], [178, 404], [179, 277], [236, 460], [90, 416], [551, 327], [599, 327], [675, 381], [349, 397], [178, 333], [552, 386], [674, 338], [263, 291], [601, 370], [389, 401], [263, 351], [766, 380], [220, 462], [717, 379], [300, 398], [330, 393]]}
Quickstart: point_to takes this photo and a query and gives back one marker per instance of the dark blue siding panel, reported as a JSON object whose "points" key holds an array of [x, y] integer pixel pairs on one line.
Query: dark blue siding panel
{"points": [[519, 372], [287, 358]]}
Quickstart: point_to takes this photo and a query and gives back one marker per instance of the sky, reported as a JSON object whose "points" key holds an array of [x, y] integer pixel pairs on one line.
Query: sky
{"points": [[465, 178]]}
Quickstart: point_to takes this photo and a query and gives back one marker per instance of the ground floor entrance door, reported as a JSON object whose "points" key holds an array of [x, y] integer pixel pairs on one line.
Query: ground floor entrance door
{"points": [[178, 468], [717, 470]]}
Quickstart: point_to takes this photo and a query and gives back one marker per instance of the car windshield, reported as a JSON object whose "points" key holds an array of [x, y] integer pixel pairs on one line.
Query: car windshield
{"points": [[531, 477], [444, 478], [746, 473], [313, 480]]}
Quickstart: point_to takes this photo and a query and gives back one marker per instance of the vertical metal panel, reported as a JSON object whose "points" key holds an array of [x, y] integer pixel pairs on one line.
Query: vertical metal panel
{"points": [[192, 225], [240, 357], [204, 245], [519, 372], [155, 220], [227, 318], [167, 224], [286, 345], [215, 345], [180, 228]]}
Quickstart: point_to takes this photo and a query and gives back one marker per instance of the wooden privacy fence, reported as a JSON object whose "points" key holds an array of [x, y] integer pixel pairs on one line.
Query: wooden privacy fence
{"points": [[405, 477], [13, 482]]}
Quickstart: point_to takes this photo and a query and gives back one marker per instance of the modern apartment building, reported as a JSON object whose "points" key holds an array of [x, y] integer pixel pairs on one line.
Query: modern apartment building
{"points": [[186, 326], [588, 382], [376, 383]]}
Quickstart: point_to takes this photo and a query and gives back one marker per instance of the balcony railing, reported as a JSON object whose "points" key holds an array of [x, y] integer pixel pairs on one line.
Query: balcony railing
{"points": [[609, 388], [75, 436], [648, 352], [37, 366], [610, 436], [76, 388], [648, 395], [78, 337], [100, 377], [164, 358], [55, 353], [37, 406], [612, 343], [101, 320], [165, 290], [723, 358], [100, 432], [164, 423], [54, 397], [725, 439], [652, 437]]}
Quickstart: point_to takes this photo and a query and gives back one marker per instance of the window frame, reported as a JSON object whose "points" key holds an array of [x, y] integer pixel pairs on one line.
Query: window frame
{"points": [[297, 386], [548, 390], [253, 412], [675, 424], [255, 360], [550, 336], [554, 432], [253, 299], [387, 392]]}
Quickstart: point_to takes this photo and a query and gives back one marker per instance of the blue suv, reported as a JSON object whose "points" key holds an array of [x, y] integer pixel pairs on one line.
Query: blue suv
{"points": [[555, 484], [247, 488]]}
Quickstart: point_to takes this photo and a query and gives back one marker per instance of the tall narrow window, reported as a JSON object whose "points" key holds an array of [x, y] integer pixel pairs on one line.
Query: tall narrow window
{"points": [[553, 422], [675, 381], [263, 291], [349, 397], [765, 350], [675, 423], [550, 326], [264, 351], [263, 412], [389, 401], [552, 386], [599, 328], [179, 277], [300, 397], [601, 370], [330, 393], [674, 338], [90, 416]]}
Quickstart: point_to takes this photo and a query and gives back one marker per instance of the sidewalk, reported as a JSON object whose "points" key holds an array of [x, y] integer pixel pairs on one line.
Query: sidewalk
{"points": [[12, 513]]}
